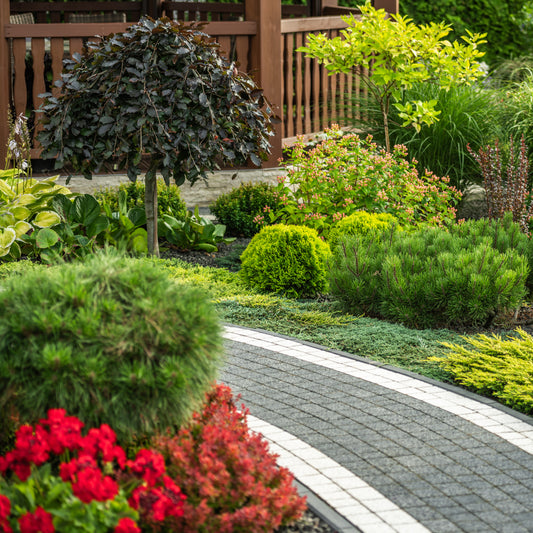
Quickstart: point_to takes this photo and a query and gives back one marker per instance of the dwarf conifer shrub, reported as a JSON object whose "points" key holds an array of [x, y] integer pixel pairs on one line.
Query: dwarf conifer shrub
{"points": [[430, 278], [113, 340], [286, 259], [361, 223], [241, 209], [230, 479], [496, 366]]}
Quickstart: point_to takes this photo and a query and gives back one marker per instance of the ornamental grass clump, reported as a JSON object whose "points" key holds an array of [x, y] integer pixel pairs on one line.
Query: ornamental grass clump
{"points": [[495, 366], [231, 481], [289, 260], [429, 278], [113, 340], [344, 174]]}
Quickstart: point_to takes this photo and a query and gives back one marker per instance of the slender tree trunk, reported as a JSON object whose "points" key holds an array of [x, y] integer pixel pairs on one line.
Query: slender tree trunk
{"points": [[385, 112], [150, 206]]}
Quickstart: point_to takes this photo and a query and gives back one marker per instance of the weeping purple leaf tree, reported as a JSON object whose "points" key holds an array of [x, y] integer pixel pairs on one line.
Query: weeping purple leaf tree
{"points": [[160, 92]]}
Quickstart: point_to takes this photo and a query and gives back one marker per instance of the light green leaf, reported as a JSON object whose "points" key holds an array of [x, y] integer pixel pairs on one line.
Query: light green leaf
{"points": [[7, 236], [21, 228], [46, 219], [20, 212]]}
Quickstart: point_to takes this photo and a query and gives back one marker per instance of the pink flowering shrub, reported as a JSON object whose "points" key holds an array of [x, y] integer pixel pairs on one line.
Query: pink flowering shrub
{"points": [[344, 174], [231, 481], [56, 479]]}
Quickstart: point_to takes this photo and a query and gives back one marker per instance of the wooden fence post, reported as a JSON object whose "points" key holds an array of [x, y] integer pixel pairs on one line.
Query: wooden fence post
{"points": [[5, 73], [390, 6], [265, 60]]}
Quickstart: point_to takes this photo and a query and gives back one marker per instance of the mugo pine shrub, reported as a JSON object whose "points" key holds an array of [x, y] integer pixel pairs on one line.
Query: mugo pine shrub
{"points": [[286, 259], [361, 223], [244, 207], [429, 278], [113, 340]]}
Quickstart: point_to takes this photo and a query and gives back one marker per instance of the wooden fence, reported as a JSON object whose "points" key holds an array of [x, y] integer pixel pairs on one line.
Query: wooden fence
{"points": [[302, 93]]}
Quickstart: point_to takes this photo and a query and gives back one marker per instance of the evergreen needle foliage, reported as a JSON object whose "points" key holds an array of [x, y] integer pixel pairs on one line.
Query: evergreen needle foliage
{"points": [[113, 341], [501, 367], [432, 277]]}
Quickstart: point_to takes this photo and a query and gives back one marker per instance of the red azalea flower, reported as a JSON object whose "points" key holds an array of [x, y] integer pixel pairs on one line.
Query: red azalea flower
{"points": [[126, 525], [38, 522], [5, 509], [149, 465]]}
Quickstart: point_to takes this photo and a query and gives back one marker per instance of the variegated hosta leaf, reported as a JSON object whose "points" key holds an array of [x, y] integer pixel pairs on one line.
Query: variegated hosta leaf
{"points": [[5, 190], [46, 219], [6, 219], [20, 212], [22, 227], [7, 236], [26, 199]]}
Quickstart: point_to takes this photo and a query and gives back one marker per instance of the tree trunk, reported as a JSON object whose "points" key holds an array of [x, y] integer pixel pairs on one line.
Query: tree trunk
{"points": [[150, 206]]}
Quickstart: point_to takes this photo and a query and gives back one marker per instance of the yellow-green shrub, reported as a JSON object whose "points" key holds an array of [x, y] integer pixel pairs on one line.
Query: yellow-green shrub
{"points": [[500, 367], [361, 223], [286, 259]]}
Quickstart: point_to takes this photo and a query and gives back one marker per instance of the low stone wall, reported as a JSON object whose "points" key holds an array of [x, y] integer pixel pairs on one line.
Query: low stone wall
{"points": [[201, 194]]}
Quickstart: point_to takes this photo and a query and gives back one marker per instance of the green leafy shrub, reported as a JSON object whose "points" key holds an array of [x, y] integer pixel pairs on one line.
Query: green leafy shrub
{"points": [[430, 278], [344, 174], [242, 208], [193, 233], [495, 366], [361, 223], [113, 341], [286, 259], [169, 200]]}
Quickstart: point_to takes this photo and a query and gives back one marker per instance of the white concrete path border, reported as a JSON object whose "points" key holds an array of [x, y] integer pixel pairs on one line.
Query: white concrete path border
{"points": [[510, 428]]}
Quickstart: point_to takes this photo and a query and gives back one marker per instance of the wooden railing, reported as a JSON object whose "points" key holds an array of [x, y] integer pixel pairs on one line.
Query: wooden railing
{"points": [[47, 12], [300, 90], [38, 51]]}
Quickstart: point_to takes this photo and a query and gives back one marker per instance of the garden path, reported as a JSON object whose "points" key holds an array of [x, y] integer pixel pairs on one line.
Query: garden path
{"points": [[381, 449]]}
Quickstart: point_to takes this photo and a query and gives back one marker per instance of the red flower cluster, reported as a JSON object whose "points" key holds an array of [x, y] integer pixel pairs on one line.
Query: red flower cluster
{"points": [[231, 480], [157, 498], [37, 522], [5, 509], [88, 483]]}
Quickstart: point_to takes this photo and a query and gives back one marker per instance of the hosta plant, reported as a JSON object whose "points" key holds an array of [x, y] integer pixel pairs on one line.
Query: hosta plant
{"points": [[26, 208]]}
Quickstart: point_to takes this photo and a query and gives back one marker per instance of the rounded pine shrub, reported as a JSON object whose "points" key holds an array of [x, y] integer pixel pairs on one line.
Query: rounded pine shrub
{"points": [[286, 259], [113, 341], [169, 200], [242, 208], [361, 223]]}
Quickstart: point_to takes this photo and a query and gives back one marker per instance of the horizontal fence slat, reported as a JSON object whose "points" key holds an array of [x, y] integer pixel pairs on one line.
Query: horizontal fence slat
{"points": [[312, 24]]}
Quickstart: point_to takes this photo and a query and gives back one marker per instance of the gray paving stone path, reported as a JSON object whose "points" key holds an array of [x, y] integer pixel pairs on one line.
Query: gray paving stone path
{"points": [[389, 452]]}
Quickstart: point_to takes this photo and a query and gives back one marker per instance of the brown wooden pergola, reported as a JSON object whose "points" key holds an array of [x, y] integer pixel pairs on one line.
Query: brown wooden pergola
{"points": [[260, 34]]}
